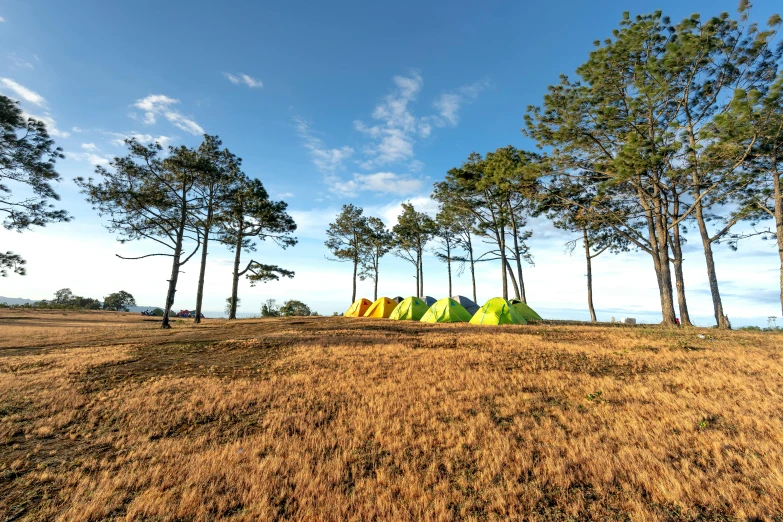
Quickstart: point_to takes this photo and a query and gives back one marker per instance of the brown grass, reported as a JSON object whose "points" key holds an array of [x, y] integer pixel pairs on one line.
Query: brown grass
{"points": [[102, 416]]}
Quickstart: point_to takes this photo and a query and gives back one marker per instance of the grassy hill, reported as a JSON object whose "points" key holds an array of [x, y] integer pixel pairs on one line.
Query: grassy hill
{"points": [[105, 416]]}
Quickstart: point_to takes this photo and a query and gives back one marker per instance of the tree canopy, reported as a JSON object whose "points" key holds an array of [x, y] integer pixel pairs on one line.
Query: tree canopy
{"points": [[27, 176], [119, 301]]}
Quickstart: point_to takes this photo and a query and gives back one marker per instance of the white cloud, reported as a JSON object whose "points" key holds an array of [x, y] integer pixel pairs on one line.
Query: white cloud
{"points": [[94, 159], [77, 129], [243, 78], [155, 102], [379, 182], [90, 146], [415, 166], [20, 62], [156, 105], [312, 223], [285, 195], [396, 128], [24, 93], [392, 138], [2, 20], [449, 104], [119, 138], [181, 122], [390, 211], [394, 134], [448, 107], [325, 159]]}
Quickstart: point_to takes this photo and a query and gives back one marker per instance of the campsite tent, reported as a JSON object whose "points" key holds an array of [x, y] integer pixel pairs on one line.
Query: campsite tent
{"points": [[466, 303], [446, 310], [358, 308], [409, 309], [524, 310], [398, 299], [497, 311], [429, 301], [381, 308]]}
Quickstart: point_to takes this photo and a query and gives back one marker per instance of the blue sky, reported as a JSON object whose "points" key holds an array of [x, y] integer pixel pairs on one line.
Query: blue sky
{"points": [[327, 104]]}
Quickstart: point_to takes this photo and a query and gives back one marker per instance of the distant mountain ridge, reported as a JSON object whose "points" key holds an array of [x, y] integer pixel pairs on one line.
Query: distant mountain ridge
{"points": [[17, 300]]}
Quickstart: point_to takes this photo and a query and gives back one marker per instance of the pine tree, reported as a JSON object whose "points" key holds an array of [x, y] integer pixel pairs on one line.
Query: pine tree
{"points": [[378, 242], [252, 216], [411, 234], [27, 163], [347, 238], [145, 197], [214, 187]]}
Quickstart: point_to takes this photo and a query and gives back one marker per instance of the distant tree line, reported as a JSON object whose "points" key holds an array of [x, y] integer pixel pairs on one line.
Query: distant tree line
{"points": [[669, 128], [289, 308], [64, 298]]}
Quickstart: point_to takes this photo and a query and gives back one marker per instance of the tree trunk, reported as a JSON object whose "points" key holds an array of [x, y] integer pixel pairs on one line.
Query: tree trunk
{"points": [[175, 263], [777, 189], [682, 304], [375, 292], [418, 287], [717, 304], [503, 261], [473, 275], [202, 272], [421, 274], [659, 250], [712, 276], [513, 278], [355, 268], [679, 278], [172, 290], [235, 279], [588, 258], [521, 292], [448, 264], [472, 266], [665, 286], [521, 285]]}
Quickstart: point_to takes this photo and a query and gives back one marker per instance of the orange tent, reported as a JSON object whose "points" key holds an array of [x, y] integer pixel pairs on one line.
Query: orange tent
{"points": [[358, 308], [382, 308]]}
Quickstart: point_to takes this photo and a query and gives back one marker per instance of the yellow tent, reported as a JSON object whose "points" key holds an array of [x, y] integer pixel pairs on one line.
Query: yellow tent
{"points": [[382, 308], [358, 308]]}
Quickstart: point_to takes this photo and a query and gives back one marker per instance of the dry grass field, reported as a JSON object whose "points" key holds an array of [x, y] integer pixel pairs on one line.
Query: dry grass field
{"points": [[103, 416]]}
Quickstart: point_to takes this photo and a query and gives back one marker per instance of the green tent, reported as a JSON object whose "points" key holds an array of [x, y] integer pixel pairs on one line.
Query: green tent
{"points": [[525, 311], [446, 310], [498, 311], [409, 309]]}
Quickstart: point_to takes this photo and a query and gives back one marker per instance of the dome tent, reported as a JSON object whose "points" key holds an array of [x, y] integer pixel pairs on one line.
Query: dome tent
{"points": [[398, 299], [409, 309], [381, 308], [524, 310], [469, 305], [358, 308], [498, 311], [429, 301], [446, 310]]}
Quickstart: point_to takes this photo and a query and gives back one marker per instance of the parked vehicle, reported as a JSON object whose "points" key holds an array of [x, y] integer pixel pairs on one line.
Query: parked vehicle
{"points": [[188, 313]]}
